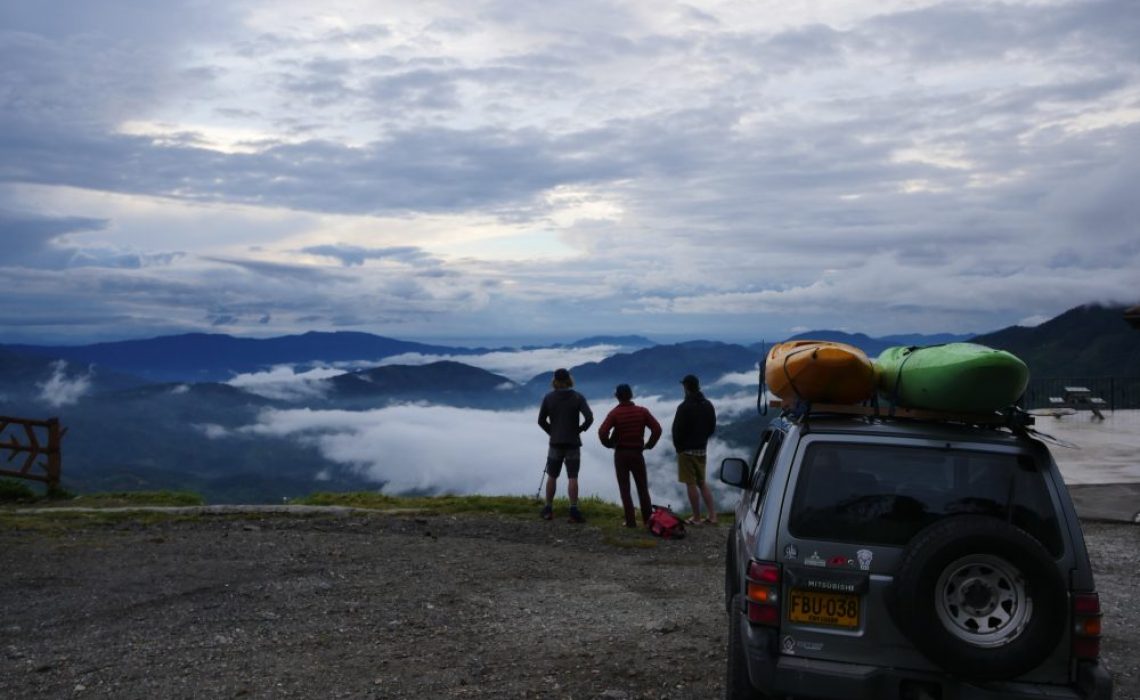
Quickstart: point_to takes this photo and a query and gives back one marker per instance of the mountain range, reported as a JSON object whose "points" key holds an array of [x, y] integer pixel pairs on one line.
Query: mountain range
{"points": [[207, 357], [152, 413]]}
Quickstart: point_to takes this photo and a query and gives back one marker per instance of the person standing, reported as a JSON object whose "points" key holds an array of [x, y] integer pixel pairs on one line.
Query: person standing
{"points": [[624, 431], [558, 417], [693, 424]]}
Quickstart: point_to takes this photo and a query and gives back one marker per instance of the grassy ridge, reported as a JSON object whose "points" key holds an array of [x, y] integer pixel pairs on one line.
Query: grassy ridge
{"points": [[498, 505], [19, 494], [606, 516], [603, 515]]}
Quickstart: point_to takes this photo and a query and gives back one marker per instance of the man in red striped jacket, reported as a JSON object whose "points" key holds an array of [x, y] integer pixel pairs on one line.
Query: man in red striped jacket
{"points": [[624, 431]]}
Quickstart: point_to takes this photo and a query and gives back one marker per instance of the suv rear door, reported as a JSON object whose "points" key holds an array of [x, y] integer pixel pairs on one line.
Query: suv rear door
{"points": [[853, 506]]}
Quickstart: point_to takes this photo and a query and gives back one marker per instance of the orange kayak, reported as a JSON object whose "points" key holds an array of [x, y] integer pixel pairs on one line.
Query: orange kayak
{"points": [[819, 371]]}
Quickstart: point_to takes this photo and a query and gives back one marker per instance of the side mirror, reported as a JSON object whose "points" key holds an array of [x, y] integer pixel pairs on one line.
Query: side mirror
{"points": [[734, 472]]}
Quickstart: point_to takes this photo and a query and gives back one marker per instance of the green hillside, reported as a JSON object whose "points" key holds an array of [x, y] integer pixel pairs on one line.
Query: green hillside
{"points": [[1090, 346], [1087, 341]]}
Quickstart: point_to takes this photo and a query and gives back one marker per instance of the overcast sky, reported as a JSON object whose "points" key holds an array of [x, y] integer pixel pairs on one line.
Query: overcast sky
{"points": [[737, 170]]}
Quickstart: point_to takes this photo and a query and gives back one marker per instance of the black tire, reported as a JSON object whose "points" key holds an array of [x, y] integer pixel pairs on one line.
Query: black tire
{"points": [[980, 598], [737, 684]]}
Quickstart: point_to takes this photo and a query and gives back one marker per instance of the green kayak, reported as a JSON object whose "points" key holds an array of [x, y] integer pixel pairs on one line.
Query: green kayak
{"points": [[958, 377]]}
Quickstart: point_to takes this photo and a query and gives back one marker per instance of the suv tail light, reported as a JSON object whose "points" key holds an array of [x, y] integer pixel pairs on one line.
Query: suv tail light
{"points": [[1086, 626], [762, 593]]}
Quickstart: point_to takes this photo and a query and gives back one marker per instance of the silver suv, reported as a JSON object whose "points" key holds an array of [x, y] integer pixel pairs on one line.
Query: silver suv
{"points": [[880, 558]]}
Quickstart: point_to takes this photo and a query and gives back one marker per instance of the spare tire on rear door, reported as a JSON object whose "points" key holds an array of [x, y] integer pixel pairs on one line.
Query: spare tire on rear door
{"points": [[979, 597]]}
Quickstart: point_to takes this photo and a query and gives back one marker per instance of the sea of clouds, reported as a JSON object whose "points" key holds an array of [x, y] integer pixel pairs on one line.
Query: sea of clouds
{"points": [[420, 447], [443, 449]]}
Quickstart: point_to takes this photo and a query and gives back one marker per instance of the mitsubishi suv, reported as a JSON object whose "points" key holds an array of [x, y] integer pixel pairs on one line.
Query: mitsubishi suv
{"points": [[882, 558]]}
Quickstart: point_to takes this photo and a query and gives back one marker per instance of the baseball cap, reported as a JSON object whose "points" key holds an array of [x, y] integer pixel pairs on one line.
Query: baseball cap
{"points": [[691, 382], [562, 375]]}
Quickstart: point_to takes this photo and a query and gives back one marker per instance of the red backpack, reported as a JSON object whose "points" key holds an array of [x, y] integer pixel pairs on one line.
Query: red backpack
{"points": [[664, 524]]}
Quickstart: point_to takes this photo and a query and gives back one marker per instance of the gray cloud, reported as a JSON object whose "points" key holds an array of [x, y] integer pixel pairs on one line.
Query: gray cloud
{"points": [[426, 170], [416, 90], [62, 389], [350, 255], [282, 271], [36, 241], [30, 234]]}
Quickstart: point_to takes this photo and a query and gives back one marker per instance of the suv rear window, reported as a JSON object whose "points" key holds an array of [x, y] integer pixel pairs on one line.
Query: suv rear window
{"points": [[884, 494]]}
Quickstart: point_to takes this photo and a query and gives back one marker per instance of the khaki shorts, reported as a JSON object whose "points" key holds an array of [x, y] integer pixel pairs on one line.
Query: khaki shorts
{"points": [[691, 469]]}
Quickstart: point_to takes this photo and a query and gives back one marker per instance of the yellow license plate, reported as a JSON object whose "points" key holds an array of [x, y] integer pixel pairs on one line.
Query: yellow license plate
{"points": [[818, 608]]}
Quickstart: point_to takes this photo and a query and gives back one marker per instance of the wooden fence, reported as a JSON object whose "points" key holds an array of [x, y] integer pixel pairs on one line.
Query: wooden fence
{"points": [[38, 443]]}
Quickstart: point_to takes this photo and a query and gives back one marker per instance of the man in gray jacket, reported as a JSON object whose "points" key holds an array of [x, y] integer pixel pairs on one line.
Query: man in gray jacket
{"points": [[558, 416]]}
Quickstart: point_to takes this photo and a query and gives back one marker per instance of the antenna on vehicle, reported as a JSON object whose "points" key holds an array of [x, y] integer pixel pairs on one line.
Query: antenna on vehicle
{"points": [[761, 404]]}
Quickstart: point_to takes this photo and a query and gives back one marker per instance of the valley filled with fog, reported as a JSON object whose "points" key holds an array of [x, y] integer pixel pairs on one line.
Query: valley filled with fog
{"points": [[258, 421], [424, 448]]}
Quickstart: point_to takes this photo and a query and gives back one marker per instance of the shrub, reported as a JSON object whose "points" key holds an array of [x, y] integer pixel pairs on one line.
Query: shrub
{"points": [[14, 491], [123, 499]]}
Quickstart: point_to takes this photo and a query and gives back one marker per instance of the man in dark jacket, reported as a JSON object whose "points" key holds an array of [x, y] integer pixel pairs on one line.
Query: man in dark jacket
{"points": [[693, 424], [624, 431], [558, 416]]}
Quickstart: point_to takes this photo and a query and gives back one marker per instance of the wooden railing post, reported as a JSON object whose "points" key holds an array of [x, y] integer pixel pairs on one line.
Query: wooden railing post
{"points": [[29, 445], [54, 464]]}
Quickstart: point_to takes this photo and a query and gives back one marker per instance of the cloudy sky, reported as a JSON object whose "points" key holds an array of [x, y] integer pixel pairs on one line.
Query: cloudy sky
{"points": [[737, 170]]}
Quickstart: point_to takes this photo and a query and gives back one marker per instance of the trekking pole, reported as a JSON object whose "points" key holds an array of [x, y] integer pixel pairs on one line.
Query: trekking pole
{"points": [[541, 478]]}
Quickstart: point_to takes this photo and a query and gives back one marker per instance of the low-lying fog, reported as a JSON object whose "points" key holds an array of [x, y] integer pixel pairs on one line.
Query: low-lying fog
{"points": [[441, 449], [419, 447]]}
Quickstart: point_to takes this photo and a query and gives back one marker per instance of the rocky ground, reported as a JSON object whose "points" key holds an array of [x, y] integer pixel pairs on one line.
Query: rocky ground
{"points": [[393, 606]]}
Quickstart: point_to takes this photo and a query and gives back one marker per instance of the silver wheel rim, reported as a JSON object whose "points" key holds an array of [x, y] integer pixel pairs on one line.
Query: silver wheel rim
{"points": [[982, 600]]}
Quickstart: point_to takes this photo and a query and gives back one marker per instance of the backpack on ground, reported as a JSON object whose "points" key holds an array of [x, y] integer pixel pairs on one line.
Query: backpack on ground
{"points": [[665, 524]]}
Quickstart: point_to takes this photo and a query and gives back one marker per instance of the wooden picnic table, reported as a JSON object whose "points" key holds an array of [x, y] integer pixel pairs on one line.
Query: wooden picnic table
{"points": [[1080, 397]]}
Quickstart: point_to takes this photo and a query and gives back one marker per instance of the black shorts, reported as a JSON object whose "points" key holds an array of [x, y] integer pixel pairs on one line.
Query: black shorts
{"points": [[557, 455]]}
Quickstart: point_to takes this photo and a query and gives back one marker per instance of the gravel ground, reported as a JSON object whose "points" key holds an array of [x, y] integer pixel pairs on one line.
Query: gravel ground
{"points": [[1115, 552], [348, 605]]}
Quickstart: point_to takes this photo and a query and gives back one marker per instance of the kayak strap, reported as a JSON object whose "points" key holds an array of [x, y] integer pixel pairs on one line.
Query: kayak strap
{"points": [[761, 404], [910, 351], [792, 382]]}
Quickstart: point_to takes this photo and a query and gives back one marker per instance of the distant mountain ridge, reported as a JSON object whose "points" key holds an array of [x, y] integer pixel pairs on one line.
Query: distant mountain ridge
{"points": [[210, 357], [623, 341], [1089, 339], [130, 431], [659, 368], [445, 382], [207, 357]]}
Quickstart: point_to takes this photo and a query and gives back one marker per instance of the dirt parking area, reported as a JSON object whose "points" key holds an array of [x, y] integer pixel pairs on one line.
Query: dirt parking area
{"points": [[347, 605]]}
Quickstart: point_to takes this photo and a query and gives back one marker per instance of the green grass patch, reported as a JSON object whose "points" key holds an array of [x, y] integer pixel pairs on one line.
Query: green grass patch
{"points": [[522, 506], [603, 515], [127, 499], [606, 516]]}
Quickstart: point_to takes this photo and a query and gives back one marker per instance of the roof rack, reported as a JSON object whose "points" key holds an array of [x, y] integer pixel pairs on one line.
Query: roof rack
{"points": [[1013, 418]]}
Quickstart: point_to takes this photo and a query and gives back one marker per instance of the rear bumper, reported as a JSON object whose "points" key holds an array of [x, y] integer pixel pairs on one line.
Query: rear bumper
{"points": [[791, 675]]}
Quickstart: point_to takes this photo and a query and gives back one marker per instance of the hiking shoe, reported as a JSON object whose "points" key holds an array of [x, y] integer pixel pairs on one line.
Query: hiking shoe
{"points": [[576, 515], [547, 513]]}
